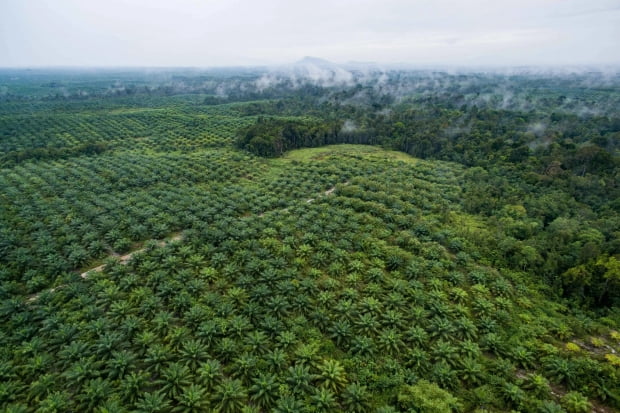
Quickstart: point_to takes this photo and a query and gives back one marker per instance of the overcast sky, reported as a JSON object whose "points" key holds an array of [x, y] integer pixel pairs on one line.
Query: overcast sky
{"points": [[249, 32]]}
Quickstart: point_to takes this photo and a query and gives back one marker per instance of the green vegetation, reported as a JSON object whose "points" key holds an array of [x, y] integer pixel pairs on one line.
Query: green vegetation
{"points": [[166, 246]]}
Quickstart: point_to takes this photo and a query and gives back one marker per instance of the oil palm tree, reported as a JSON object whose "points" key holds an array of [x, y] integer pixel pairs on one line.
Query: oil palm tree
{"points": [[470, 371], [157, 355], [93, 393], [131, 385], [469, 348], [323, 401], [56, 402], [10, 391], [230, 396], [392, 318], [288, 404], [417, 336], [465, 329], [264, 390], [286, 339], [227, 348], [81, 371], [276, 360], [332, 375], [108, 343], [513, 395], [174, 379], [42, 386], [355, 398], [256, 342], [391, 341], [73, 352], [443, 351], [120, 363], [243, 366], [154, 402], [193, 399], [444, 375], [193, 352], [441, 327], [367, 324], [340, 331], [561, 370], [299, 378], [537, 385], [575, 402], [363, 346], [162, 322], [210, 373]]}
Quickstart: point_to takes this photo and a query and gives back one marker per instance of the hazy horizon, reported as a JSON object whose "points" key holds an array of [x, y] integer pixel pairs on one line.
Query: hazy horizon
{"points": [[214, 33]]}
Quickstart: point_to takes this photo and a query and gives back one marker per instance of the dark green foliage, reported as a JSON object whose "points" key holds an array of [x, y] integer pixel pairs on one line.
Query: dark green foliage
{"points": [[14, 157], [272, 137]]}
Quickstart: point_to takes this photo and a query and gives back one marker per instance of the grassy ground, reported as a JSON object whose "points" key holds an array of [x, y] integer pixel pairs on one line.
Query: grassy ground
{"points": [[313, 154]]}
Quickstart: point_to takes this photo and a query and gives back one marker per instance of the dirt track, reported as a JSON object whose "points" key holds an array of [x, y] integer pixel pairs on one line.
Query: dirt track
{"points": [[125, 258]]}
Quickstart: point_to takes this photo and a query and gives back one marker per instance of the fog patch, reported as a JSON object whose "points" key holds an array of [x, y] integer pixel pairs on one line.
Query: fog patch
{"points": [[457, 130], [349, 126], [537, 129], [539, 143]]}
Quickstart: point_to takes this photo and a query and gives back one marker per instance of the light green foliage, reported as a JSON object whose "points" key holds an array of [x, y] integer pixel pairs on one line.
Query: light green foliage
{"points": [[575, 402], [425, 397]]}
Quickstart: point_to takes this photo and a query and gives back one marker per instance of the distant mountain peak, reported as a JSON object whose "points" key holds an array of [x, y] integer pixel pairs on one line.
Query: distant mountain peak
{"points": [[317, 61]]}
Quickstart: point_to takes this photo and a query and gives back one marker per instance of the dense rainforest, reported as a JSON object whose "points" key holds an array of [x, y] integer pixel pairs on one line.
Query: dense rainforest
{"points": [[254, 240]]}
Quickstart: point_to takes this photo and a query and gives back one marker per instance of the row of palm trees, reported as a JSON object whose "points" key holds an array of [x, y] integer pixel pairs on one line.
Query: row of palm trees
{"points": [[115, 123]]}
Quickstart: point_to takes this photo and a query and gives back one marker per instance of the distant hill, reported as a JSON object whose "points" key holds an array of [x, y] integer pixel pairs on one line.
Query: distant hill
{"points": [[317, 61]]}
